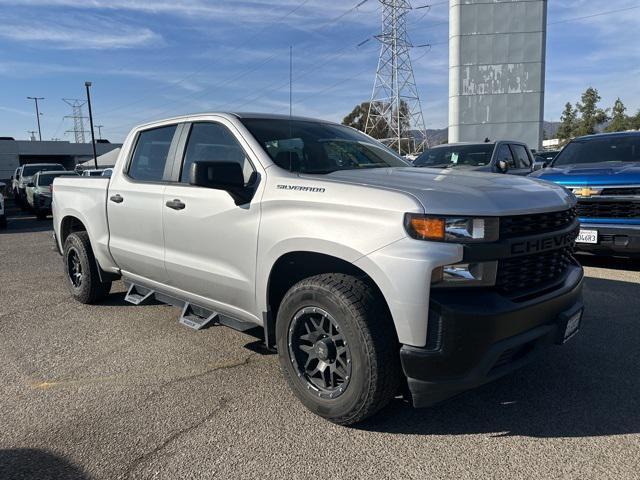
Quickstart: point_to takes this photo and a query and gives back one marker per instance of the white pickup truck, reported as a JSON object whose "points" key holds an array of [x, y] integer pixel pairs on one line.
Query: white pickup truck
{"points": [[370, 277]]}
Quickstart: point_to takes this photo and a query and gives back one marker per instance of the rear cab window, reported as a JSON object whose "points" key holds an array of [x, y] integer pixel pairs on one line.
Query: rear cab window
{"points": [[521, 155], [149, 160]]}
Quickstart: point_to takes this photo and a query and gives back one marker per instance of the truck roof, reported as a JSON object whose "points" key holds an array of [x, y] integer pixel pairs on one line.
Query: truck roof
{"points": [[596, 136], [242, 115]]}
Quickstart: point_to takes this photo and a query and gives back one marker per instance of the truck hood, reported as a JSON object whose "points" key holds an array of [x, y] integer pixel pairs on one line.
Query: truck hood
{"points": [[462, 192], [606, 173]]}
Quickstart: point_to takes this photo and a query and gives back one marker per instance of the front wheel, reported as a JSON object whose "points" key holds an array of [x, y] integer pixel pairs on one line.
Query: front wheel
{"points": [[338, 348], [81, 270]]}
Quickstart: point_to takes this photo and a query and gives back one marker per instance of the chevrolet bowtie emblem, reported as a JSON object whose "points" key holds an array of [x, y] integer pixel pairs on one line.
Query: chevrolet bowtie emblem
{"points": [[586, 191]]}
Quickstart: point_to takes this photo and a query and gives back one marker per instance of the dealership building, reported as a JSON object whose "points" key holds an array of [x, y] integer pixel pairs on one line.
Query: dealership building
{"points": [[14, 153]]}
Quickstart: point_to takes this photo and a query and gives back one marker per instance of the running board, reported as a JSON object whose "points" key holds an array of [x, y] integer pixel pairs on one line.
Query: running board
{"points": [[196, 317], [138, 295], [192, 316]]}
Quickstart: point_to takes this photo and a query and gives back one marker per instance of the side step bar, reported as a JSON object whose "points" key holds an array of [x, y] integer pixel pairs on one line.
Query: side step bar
{"points": [[192, 316], [138, 295], [195, 320]]}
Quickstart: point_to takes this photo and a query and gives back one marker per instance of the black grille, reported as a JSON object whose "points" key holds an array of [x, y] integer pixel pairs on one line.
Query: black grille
{"points": [[522, 225], [621, 191], [529, 272], [608, 209]]}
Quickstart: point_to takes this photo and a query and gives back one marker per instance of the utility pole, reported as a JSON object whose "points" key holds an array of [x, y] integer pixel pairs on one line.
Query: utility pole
{"points": [[395, 104], [78, 119], [93, 136], [37, 114], [99, 127], [32, 135]]}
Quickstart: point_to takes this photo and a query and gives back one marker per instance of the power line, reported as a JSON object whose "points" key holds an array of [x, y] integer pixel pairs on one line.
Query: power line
{"points": [[193, 74], [254, 68], [608, 12]]}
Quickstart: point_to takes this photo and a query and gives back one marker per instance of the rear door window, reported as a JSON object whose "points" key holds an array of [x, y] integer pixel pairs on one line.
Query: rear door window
{"points": [[149, 159], [213, 142], [522, 158]]}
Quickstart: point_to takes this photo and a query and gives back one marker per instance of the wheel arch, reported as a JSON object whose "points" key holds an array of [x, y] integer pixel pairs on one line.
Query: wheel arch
{"points": [[293, 266]]}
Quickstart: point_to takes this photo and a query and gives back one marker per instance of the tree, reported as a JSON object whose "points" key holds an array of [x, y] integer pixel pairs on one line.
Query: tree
{"points": [[619, 120], [634, 122], [358, 119], [568, 122], [590, 115]]}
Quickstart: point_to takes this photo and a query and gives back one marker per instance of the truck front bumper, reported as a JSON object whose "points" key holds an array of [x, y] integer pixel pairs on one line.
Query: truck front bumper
{"points": [[612, 239], [483, 335]]}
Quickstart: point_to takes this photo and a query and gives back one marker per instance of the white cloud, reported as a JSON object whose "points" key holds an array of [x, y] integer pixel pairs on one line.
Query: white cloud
{"points": [[73, 32]]}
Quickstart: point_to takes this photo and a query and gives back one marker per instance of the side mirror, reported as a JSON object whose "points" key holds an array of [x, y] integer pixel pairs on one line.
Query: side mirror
{"points": [[227, 176], [503, 166], [539, 165]]}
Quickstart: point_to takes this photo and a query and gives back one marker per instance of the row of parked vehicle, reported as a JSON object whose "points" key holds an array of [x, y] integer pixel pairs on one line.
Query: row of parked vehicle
{"points": [[603, 172], [32, 185]]}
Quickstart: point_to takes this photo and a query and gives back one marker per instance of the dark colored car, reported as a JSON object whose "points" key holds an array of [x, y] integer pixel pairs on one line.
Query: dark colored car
{"points": [[603, 171], [497, 157]]}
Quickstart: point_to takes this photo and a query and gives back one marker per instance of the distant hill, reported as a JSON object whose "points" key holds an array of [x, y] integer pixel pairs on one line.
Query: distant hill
{"points": [[439, 135]]}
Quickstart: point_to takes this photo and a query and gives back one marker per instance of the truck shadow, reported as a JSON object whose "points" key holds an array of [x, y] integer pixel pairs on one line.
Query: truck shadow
{"points": [[613, 263], [35, 464], [588, 387]]}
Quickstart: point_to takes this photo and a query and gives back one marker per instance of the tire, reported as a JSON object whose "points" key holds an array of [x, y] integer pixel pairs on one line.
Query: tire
{"points": [[361, 347], [81, 270]]}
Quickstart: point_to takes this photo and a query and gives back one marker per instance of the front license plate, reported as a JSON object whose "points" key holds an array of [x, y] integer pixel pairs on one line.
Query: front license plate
{"points": [[587, 236], [573, 325]]}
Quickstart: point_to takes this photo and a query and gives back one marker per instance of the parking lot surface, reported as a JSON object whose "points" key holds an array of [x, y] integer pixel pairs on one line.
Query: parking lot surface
{"points": [[121, 391]]}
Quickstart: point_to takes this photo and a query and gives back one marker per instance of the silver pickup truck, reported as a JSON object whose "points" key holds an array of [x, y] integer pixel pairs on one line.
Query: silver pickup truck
{"points": [[370, 277]]}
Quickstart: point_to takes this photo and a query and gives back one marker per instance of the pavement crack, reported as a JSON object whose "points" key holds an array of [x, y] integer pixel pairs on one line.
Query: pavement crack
{"points": [[172, 437]]}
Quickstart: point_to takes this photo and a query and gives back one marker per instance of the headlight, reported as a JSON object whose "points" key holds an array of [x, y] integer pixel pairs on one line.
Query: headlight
{"points": [[452, 229]]}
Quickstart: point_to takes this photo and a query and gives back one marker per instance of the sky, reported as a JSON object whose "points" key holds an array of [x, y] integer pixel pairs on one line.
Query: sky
{"points": [[153, 59]]}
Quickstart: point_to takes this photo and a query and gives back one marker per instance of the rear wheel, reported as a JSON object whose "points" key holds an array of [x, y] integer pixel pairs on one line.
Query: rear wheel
{"points": [[337, 347], [81, 270]]}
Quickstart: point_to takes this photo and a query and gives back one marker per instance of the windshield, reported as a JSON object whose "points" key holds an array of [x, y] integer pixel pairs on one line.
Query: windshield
{"points": [[605, 149], [456, 156], [46, 179], [316, 147], [30, 170]]}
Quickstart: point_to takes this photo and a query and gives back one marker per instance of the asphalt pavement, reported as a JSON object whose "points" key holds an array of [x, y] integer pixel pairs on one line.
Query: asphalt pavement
{"points": [[121, 391]]}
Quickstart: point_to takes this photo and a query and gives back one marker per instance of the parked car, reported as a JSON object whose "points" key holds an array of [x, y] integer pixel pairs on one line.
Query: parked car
{"points": [[603, 171], [365, 273], [3, 215], [96, 172], [39, 191], [26, 175], [15, 181], [544, 158], [497, 157]]}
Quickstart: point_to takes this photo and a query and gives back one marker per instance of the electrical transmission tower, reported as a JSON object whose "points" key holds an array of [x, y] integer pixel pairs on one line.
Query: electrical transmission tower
{"points": [[78, 118], [395, 114]]}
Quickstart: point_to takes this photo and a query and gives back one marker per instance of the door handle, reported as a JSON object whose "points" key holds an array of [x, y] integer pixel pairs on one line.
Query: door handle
{"points": [[175, 204], [117, 198]]}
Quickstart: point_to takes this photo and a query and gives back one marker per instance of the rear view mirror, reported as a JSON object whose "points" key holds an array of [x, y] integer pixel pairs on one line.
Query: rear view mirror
{"points": [[227, 176], [503, 166]]}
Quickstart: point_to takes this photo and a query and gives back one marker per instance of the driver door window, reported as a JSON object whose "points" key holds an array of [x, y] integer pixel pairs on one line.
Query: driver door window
{"points": [[212, 142]]}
